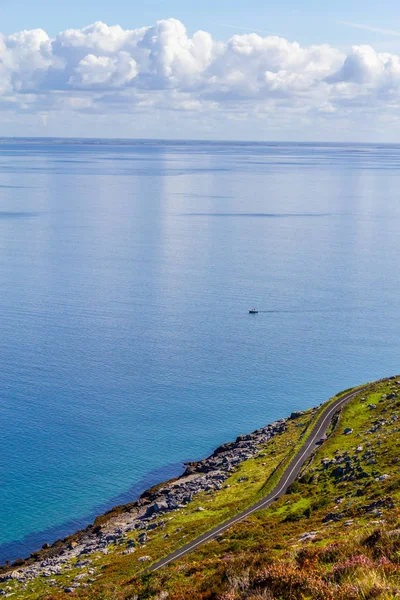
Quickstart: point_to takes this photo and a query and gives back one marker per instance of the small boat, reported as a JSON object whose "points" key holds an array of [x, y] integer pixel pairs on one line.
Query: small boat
{"points": [[253, 311]]}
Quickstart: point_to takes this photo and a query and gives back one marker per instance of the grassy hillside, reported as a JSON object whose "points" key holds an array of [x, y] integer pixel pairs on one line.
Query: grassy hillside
{"points": [[335, 535]]}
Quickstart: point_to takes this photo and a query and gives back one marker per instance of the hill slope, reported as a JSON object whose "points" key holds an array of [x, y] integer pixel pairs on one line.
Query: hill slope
{"points": [[335, 535]]}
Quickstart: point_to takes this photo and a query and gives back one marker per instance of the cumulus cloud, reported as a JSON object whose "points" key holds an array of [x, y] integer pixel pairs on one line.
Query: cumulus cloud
{"points": [[366, 67], [104, 71], [104, 68]]}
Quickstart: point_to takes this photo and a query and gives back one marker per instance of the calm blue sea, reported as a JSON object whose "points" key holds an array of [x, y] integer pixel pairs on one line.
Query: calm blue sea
{"points": [[127, 270]]}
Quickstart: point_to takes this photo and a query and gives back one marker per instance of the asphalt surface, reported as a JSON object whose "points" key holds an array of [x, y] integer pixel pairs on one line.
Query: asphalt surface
{"points": [[288, 477]]}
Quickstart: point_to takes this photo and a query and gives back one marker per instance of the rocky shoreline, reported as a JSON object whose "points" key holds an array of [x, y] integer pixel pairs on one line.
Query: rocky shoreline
{"points": [[147, 512]]}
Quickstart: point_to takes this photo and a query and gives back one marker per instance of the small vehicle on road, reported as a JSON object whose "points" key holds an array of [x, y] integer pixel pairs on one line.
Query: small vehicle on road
{"points": [[321, 441]]}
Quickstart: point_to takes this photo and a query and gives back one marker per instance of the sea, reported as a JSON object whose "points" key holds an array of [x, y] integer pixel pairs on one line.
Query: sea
{"points": [[127, 271]]}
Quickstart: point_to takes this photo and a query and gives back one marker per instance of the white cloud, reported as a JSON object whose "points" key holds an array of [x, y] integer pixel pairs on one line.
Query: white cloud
{"points": [[107, 69], [98, 38], [104, 71], [172, 55]]}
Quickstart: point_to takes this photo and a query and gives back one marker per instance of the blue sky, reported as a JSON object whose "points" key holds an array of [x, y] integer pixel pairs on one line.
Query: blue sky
{"points": [[257, 70], [309, 21]]}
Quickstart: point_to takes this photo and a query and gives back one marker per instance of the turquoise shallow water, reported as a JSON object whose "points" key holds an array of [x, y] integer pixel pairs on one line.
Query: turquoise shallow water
{"points": [[127, 271]]}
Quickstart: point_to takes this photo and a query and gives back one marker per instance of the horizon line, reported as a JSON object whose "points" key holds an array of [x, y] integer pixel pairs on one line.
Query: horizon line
{"points": [[197, 140]]}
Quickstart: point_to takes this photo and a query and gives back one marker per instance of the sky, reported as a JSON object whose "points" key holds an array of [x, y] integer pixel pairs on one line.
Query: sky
{"points": [[215, 69]]}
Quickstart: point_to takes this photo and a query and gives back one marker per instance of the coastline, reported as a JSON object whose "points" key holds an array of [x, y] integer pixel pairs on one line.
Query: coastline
{"points": [[208, 474], [338, 497], [125, 528], [11, 551]]}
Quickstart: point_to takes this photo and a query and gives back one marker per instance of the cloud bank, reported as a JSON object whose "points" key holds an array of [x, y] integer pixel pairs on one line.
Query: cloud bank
{"points": [[105, 69]]}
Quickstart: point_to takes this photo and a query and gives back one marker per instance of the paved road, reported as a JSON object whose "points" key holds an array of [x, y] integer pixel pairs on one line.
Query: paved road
{"points": [[287, 478]]}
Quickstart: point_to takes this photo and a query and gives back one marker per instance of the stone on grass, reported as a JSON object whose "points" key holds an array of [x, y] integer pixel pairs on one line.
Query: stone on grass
{"points": [[309, 535]]}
